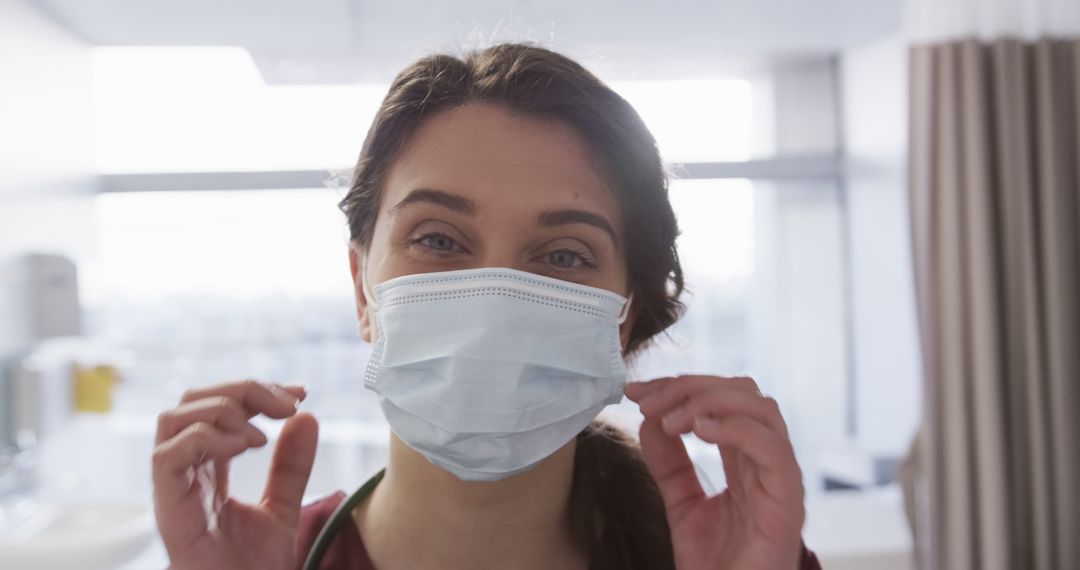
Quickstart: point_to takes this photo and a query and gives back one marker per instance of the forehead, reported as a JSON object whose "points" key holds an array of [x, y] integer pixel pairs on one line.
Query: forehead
{"points": [[501, 161]]}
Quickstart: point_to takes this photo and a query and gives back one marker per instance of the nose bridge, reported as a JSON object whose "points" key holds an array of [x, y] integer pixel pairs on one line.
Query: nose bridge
{"points": [[503, 252], [504, 244]]}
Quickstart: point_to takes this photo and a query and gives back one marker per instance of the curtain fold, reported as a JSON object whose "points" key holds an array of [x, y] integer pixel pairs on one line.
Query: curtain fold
{"points": [[994, 171]]}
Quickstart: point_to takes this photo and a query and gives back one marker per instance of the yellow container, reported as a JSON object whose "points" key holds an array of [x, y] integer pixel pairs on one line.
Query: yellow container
{"points": [[94, 387]]}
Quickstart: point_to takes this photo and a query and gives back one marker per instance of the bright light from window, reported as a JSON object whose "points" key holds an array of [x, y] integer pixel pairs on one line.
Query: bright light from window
{"points": [[238, 245], [187, 109], [207, 109], [695, 121], [716, 225]]}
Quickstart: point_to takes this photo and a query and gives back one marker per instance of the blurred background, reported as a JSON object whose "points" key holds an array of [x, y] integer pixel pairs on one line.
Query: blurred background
{"points": [[169, 173]]}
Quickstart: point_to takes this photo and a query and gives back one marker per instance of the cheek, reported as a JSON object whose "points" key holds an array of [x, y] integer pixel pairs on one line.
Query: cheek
{"points": [[381, 263]]}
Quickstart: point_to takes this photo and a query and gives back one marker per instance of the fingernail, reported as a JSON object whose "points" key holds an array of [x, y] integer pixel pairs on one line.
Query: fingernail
{"points": [[302, 386], [675, 418], [705, 423], [280, 391], [647, 401]]}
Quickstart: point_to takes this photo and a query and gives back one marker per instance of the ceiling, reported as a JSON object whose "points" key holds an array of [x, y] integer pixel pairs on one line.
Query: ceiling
{"points": [[350, 41]]}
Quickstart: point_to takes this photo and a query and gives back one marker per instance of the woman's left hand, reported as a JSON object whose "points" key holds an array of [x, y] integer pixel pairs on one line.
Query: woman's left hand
{"points": [[754, 524]]}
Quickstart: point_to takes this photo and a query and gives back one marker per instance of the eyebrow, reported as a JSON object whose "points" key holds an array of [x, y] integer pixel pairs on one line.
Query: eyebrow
{"points": [[440, 198], [565, 217], [551, 218]]}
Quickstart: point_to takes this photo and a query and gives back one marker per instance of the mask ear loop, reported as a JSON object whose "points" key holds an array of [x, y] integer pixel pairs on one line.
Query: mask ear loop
{"points": [[625, 312], [369, 297], [367, 290]]}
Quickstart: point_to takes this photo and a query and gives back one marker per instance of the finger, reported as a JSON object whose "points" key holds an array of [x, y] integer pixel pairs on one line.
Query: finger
{"points": [[298, 391], [220, 411], [771, 455], [637, 390], [682, 388], [195, 444], [221, 488], [249, 390], [729, 457], [179, 510], [291, 467], [671, 467], [720, 401], [274, 401]]}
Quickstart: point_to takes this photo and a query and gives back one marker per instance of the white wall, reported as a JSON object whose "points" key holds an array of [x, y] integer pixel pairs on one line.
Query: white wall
{"points": [[873, 90], [46, 154]]}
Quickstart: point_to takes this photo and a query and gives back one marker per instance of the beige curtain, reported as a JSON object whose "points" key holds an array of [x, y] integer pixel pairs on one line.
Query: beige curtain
{"points": [[994, 172]]}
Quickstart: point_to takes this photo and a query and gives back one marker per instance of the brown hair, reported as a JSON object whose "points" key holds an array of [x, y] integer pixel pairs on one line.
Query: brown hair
{"points": [[619, 515]]}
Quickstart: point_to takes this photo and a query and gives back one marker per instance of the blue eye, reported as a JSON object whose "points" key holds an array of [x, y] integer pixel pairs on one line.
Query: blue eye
{"points": [[438, 242], [565, 259]]}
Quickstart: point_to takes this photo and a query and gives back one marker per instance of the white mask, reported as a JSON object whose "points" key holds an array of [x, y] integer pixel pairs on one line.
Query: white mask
{"points": [[486, 372]]}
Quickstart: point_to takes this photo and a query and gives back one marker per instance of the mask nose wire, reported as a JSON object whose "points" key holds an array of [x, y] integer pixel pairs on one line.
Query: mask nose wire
{"points": [[625, 310], [623, 314]]}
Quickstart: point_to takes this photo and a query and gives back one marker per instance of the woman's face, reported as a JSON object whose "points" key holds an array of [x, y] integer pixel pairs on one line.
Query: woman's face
{"points": [[479, 187]]}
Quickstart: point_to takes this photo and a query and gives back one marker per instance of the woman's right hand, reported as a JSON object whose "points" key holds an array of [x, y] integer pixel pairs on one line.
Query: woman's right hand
{"points": [[200, 525]]}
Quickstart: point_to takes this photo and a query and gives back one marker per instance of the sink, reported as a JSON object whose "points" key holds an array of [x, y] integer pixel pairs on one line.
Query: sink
{"points": [[46, 536]]}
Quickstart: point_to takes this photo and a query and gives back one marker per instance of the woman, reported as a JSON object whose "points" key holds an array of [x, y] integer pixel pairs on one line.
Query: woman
{"points": [[511, 244]]}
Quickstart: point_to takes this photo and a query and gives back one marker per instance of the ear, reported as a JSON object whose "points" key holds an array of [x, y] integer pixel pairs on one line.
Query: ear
{"points": [[355, 256]]}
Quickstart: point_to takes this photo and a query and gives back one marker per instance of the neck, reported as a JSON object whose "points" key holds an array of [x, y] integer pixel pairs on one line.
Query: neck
{"points": [[519, 522]]}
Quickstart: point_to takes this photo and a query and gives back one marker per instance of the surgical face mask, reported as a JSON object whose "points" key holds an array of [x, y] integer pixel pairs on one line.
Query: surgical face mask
{"points": [[486, 372]]}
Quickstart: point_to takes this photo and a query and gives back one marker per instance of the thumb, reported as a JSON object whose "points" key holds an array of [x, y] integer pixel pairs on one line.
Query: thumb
{"points": [[291, 467], [671, 467]]}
